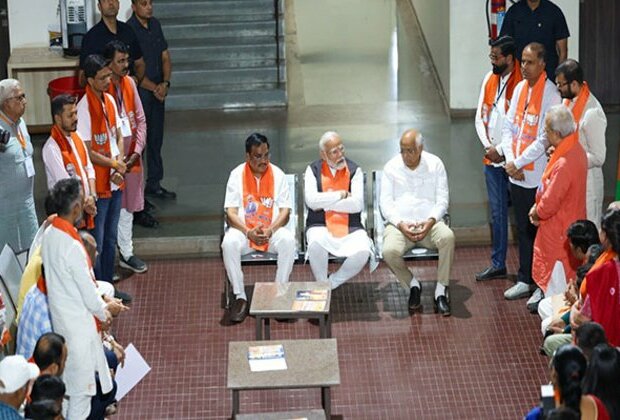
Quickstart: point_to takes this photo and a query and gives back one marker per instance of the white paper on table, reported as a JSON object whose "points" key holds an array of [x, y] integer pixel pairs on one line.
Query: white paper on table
{"points": [[133, 371], [268, 364]]}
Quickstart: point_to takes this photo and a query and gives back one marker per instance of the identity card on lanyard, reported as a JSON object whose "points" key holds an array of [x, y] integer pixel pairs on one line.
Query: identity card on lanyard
{"points": [[125, 126]]}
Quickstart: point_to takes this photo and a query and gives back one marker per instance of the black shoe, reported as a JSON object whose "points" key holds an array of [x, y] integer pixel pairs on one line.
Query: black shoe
{"points": [[124, 296], [133, 263], [143, 218], [491, 273], [442, 306], [162, 193], [239, 310], [148, 206], [414, 298]]}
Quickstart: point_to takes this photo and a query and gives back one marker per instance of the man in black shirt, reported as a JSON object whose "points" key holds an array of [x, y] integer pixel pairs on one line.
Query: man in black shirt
{"points": [[153, 91], [538, 21], [110, 29]]}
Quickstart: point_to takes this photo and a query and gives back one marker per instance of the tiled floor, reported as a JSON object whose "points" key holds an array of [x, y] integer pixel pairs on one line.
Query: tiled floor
{"points": [[481, 363]]}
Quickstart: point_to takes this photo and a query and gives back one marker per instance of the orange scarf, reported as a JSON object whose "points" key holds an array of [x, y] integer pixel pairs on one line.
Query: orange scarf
{"points": [[565, 145], [527, 117], [125, 101], [258, 201], [491, 91], [337, 222], [605, 257], [580, 103], [70, 160], [100, 120], [66, 227], [20, 136]]}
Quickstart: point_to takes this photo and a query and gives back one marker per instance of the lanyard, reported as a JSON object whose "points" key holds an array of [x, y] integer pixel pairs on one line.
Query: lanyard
{"points": [[500, 92], [119, 99], [20, 136]]}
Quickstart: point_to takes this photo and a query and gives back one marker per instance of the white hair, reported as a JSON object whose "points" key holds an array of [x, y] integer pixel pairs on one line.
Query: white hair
{"points": [[327, 136], [7, 89], [419, 140], [561, 120]]}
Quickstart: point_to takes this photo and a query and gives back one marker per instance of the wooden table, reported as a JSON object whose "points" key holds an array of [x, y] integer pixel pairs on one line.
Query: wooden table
{"points": [[275, 300], [310, 364]]}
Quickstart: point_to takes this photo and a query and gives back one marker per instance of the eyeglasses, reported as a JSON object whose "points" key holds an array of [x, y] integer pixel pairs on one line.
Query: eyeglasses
{"points": [[258, 158], [336, 151], [20, 98], [561, 85], [410, 151]]}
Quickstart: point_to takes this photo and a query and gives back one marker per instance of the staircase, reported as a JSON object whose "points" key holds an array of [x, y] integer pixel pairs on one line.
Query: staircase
{"points": [[224, 53]]}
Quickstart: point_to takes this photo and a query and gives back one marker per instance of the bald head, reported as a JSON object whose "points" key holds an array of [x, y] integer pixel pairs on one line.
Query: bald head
{"points": [[411, 146]]}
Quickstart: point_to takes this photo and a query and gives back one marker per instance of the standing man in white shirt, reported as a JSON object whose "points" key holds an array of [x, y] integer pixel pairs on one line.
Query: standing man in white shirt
{"points": [[74, 302], [258, 207], [524, 143], [495, 96], [334, 195], [414, 199], [66, 156], [592, 123], [99, 125]]}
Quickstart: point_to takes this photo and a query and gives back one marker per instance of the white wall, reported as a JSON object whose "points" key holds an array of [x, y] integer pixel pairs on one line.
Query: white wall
{"points": [[29, 19], [434, 17], [469, 48]]}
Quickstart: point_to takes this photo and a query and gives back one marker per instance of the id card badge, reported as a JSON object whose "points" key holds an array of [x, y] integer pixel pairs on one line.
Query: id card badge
{"points": [[125, 127], [29, 164]]}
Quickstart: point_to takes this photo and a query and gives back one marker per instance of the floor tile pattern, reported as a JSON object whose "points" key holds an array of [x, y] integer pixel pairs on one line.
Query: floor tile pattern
{"points": [[480, 363]]}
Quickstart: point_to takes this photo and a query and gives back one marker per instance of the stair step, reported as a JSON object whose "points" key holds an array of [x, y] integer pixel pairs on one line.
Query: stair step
{"points": [[228, 18], [167, 9], [210, 64], [222, 30], [224, 52], [199, 98], [225, 76], [224, 41]]}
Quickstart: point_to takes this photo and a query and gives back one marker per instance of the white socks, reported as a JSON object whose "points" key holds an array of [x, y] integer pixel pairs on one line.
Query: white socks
{"points": [[414, 283], [440, 290]]}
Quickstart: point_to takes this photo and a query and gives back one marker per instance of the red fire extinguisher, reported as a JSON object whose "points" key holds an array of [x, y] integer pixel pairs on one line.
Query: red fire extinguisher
{"points": [[495, 20]]}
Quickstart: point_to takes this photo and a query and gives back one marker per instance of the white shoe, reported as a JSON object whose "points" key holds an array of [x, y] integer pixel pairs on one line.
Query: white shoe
{"points": [[534, 300], [520, 290]]}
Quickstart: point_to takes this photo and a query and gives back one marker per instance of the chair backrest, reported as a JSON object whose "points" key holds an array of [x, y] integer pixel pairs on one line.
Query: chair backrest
{"points": [[10, 274], [378, 222]]}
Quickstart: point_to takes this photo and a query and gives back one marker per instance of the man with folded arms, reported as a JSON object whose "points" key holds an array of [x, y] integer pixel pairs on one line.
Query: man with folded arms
{"points": [[524, 144], [258, 207], [334, 195], [414, 199]]}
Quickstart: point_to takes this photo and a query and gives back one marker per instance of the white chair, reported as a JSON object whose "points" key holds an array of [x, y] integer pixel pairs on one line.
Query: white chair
{"points": [[10, 273], [259, 257]]}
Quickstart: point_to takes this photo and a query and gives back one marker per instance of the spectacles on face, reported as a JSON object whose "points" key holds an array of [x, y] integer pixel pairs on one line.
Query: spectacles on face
{"points": [[258, 158], [336, 151], [409, 151], [495, 57], [20, 98], [561, 85]]}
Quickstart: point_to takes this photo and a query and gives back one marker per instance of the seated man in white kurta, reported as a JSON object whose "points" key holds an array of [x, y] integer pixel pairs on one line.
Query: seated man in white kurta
{"points": [[414, 199], [258, 207], [334, 195], [73, 299]]}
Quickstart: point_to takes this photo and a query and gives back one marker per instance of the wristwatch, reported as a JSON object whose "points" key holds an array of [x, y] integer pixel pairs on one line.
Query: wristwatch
{"points": [[167, 82]]}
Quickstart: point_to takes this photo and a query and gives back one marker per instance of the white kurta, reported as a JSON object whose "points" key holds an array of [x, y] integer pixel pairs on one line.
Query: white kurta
{"points": [[592, 128], [497, 114], [330, 200], [535, 152], [73, 300]]}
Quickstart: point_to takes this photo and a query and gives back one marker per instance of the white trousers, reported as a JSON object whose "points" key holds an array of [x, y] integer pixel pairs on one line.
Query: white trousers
{"points": [[235, 244], [594, 195], [557, 283], [125, 234], [79, 407], [356, 256]]}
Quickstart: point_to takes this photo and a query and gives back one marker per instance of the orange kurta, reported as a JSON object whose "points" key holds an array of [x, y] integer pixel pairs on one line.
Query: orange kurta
{"points": [[561, 201]]}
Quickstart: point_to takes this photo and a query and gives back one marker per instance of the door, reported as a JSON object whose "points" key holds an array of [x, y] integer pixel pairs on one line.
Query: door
{"points": [[4, 38]]}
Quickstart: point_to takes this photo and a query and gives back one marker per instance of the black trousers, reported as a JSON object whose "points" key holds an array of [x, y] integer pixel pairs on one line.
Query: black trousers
{"points": [[522, 201], [154, 112]]}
